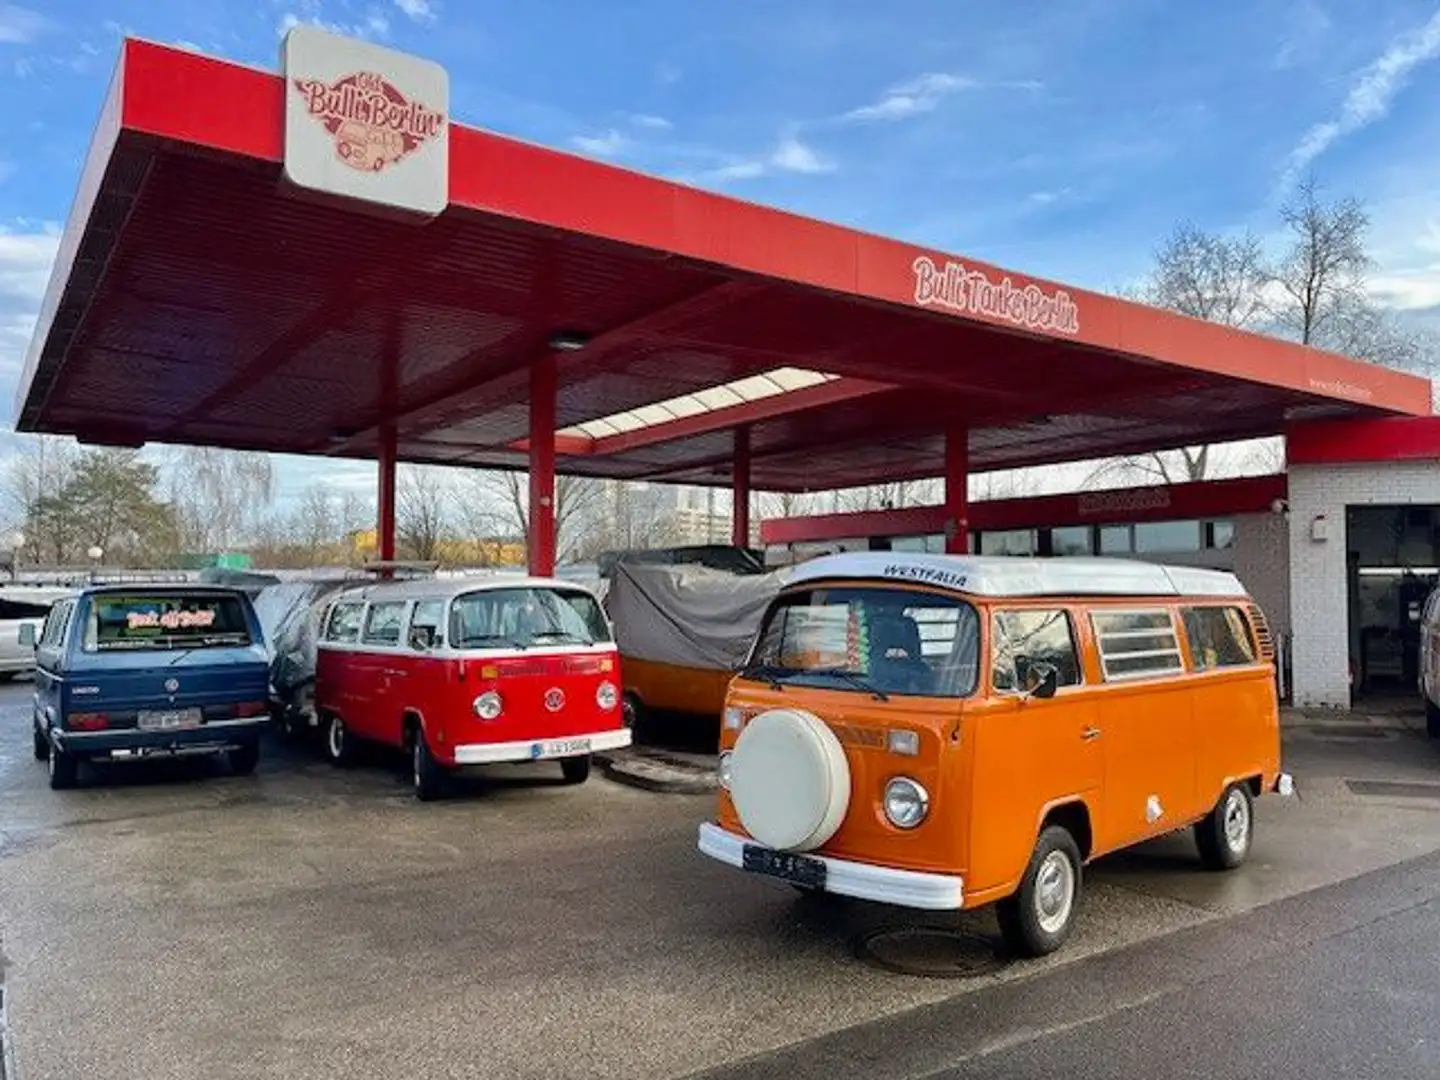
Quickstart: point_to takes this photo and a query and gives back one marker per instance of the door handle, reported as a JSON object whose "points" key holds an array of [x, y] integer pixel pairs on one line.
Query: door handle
{"points": [[1090, 733]]}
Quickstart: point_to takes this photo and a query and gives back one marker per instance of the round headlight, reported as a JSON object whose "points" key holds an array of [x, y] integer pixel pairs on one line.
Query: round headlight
{"points": [[906, 803], [606, 696], [724, 769], [488, 705]]}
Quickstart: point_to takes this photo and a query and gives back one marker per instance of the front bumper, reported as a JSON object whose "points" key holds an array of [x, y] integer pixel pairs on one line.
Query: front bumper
{"points": [[129, 742], [541, 749], [883, 884]]}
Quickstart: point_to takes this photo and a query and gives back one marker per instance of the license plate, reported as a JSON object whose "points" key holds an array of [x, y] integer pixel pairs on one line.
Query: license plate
{"points": [[169, 719], [798, 869], [560, 748]]}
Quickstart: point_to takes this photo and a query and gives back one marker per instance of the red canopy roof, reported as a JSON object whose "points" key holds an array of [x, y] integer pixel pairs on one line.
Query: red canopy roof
{"points": [[198, 299]]}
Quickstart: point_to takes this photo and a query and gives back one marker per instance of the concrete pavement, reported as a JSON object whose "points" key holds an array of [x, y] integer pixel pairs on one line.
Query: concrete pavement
{"points": [[307, 922]]}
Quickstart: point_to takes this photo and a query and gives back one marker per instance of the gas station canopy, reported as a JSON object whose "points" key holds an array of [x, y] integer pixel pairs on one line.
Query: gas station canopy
{"points": [[209, 291]]}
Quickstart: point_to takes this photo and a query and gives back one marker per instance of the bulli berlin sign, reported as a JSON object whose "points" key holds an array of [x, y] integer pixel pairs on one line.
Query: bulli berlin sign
{"points": [[364, 122], [965, 291]]}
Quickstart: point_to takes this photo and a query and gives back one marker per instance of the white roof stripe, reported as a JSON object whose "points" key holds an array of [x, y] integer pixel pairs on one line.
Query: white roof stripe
{"points": [[999, 576]]}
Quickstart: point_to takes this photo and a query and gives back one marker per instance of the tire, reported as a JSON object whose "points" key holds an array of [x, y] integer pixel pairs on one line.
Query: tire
{"points": [[339, 746], [64, 770], [42, 744], [575, 769], [243, 759], [1432, 720], [1039, 918], [427, 776], [1226, 833], [633, 712]]}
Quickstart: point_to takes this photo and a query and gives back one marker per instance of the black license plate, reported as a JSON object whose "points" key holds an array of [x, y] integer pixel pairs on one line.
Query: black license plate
{"points": [[798, 869]]}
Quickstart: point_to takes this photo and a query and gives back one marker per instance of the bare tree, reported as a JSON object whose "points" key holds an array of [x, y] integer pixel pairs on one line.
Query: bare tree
{"points": [[218, 496], [420, 511], [313, 527], [895, 496], [37, 475], [1323, 271], [576, 499], [1217, 278]]}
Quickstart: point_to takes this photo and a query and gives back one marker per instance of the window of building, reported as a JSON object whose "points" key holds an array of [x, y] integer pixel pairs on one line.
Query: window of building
{"points": [[427, 625], [1136, 644], [1158, 536], [1023, 640], [1219, 637], [382, 625], [1008, 542], [1222, 534], [344, 624], [1072, 540], [1115, 540]]}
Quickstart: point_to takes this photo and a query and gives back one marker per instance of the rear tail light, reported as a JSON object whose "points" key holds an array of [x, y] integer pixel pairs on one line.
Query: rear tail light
{"points": [[251, 708], [88, 721]]}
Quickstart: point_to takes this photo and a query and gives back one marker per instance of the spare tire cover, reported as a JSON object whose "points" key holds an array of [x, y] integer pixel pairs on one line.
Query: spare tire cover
{"points": [[789, 780]]}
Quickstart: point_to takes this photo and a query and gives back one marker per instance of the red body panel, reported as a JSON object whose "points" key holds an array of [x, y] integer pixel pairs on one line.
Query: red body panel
{"points": [[374, 689]]}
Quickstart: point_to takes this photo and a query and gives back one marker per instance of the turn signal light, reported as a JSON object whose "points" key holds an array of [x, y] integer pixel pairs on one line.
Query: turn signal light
{"points": [[251, 708]]}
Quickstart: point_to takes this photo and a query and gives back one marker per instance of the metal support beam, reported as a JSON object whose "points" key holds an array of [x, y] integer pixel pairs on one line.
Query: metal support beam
{"points": [[957, 491], [740, 483], [385, 496], [540, 537]]}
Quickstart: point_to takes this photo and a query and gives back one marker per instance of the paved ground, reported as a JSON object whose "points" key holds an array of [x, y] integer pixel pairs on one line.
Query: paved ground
{"points": [[306, 922]]}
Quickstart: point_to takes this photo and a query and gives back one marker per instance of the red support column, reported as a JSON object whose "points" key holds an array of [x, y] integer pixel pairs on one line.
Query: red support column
{"points": [[385, 498], [541, 534], [740, 486], [957, 491]]}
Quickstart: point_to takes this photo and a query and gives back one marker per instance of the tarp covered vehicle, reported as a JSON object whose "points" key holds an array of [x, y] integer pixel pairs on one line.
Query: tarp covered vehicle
{"points": [[290, 613], [683, 631]]}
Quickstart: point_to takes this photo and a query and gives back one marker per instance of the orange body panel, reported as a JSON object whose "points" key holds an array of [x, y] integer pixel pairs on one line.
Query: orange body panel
{"points": [[672, 688], [1142, 756]]}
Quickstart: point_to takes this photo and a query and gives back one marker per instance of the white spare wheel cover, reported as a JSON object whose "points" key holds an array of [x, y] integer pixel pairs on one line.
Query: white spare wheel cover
{"points": [[789, 780]]}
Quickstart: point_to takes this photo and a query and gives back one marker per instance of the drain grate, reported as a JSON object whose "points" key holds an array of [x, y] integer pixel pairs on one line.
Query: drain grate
{"points": [[1351, 731], [1396, 789], [930, 952]]}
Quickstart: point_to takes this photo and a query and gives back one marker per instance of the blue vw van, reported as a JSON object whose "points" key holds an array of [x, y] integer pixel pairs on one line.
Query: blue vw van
{"points": [[124, 672]]}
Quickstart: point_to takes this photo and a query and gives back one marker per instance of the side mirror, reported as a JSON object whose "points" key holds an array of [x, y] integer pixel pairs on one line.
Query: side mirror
{"points": [[27, 635], [1047, 681]]}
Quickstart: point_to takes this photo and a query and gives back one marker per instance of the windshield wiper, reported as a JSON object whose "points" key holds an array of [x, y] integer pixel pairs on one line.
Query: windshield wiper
{"points": [[561, 637], [479, 640], [854, 678], [766, 673]]}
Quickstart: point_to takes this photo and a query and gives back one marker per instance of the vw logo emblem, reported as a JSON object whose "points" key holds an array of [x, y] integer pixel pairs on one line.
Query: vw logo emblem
{"points": [[555, 699], [171, 685]]}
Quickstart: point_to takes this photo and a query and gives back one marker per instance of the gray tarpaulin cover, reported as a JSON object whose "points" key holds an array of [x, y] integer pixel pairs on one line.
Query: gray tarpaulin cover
{"points": [[688, 615], [290, 614]]}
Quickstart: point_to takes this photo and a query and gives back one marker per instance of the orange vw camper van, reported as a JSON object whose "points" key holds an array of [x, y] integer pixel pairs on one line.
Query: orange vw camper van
{"points": [[946, 732]]}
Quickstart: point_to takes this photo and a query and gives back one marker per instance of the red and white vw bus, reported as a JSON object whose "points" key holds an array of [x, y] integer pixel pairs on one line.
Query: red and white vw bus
{"points": [[470, 671]]}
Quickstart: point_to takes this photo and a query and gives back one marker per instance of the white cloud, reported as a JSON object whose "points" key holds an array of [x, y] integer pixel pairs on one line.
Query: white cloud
{"points": [[26, 255], [606, 145], [374, 26], [421, 11], [794, 156], [650, 122], [1369, 97], [740, 170], [19, 25], [924, 94]]}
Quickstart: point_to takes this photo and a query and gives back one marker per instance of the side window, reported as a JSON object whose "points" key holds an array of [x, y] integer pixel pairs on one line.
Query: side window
{"points": [[53, 633], [427, 625], [1219, 637], [1020, 640], [382, 624], [344, 624], [1137, 644]]}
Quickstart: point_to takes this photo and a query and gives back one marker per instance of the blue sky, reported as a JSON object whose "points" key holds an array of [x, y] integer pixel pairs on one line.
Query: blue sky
{"points": [[1062, 139]]}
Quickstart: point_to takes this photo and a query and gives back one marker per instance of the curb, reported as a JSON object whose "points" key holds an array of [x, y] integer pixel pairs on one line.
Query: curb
{"points": [[655, 773]]}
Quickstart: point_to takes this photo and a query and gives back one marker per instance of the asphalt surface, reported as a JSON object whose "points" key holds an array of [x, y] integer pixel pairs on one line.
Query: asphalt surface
{"points": [[174, 921]]}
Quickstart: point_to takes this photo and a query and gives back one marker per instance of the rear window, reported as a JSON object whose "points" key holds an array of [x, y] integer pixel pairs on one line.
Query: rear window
{"points": [[176, 621]]}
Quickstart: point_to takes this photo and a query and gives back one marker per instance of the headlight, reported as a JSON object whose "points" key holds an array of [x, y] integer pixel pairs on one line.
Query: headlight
{"points": [[606, 696], [906, 803], [488, 705], [724, 769]]}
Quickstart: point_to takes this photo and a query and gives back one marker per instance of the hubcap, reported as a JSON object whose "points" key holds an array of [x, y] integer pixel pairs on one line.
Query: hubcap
{"points": [[50, 762], [416, 757], [1237, 822], [337, 738], [1054, 892]]}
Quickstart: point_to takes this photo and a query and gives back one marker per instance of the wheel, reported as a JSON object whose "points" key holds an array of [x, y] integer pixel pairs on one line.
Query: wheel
{"points": [[42, 744], [339, 747], [1224, 836], [1039, 917], [64, 770], [427, 775], [1432, 720], [243, 759], [632, 711], [576, 769]]}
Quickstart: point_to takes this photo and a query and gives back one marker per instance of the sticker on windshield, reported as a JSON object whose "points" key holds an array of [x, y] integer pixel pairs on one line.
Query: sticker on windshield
{"points": [[169, 620]]}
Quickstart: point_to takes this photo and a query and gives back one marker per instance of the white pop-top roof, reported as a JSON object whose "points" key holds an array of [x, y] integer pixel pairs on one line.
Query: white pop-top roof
{"points": [[997, 575], [449, 588]]}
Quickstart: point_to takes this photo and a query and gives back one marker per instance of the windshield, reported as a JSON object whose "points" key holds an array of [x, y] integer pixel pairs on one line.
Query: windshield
{"points": [[870, 639], [174, 621], [522, 618]]}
